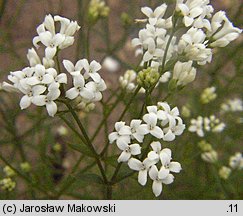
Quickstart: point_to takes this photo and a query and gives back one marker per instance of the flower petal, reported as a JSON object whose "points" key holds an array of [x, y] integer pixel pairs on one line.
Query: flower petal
{"points": [[157, 188]]}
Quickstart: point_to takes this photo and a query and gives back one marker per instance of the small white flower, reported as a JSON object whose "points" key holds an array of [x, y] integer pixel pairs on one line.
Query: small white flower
{"points": [[170, 114], [155, 15], [111, 64], [48, 100], [152, 51], [197, 126], [74, 70], [30, 94], [192, 45], [96, 88], [79, 89], [138, 130], [142, 168], [222, 30], [128, 151], [151, 120], [233, 105], [160, 113], [127, 81], [236, 161], [157, 182], [91, 70], [40, 76], [122, 136]]}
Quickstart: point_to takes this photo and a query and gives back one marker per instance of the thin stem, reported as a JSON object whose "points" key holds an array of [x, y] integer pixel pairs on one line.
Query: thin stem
{"points": [[88, 141]]}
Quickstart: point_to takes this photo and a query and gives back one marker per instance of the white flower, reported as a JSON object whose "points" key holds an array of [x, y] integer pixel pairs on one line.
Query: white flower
{"points": [[197, 126], [128, 151], [73, 69], [40, 76], [161, 115], [170, 114], [96, 88], [122, 136], [111, 64], [68, 28], [155, 154], [184, 73], [192, 44], [127, 81], [236, 161], [51, 42], [59, 78], [172, 131], [141, 167], [194, 11], [222, 30], [48, 100], [155, 15], [91, 69], [163, 176], [138, 130], [30, 94], [232, 105], [79, 89], [152, 51], [151, 121]]}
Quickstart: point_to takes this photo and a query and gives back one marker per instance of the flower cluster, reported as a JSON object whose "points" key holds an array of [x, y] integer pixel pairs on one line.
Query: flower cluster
{"points": [[235, 163], [97, 9], [208, 95], [87, 82], [160, 122], [128, 79], [200, 125], [41, 83], [161, 40], [232, 105]]}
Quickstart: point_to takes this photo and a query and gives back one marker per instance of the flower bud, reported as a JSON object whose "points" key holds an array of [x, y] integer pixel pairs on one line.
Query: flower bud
{"points": [[57, 147], [9, 171], [126, 19], [7, 184], [210, 157], [26, 167], [147, 78], [208, 95], [184, 73], [186, 112], [204, 146], [224, 172], [97, 10]]}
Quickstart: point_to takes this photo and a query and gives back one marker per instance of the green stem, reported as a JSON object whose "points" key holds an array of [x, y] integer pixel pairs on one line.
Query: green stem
{"points": [[88, 141]]}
